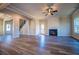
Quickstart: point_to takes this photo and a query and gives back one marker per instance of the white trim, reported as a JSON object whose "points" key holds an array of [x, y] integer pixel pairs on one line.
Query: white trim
{"points": [[19, 11]]}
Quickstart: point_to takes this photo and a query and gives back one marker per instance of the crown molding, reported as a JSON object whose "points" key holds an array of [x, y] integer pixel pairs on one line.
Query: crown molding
{"points": [[76, 8], [3, 5], [19, 11]]}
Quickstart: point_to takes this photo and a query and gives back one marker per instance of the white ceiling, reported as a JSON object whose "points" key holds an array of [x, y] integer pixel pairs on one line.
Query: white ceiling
{"points": [[35, 9]]}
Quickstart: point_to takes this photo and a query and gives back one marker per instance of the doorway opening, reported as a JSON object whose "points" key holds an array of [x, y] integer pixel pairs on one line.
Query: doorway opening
{"points": [[42, 29], [8, 27]]}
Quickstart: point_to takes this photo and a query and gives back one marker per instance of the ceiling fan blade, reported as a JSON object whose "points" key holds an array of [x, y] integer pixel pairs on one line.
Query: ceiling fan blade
{"points": [[55, 11], [51, 13]]}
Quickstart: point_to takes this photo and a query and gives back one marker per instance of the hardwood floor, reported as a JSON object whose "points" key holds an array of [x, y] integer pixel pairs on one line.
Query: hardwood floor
{"points": [[38, 45]]}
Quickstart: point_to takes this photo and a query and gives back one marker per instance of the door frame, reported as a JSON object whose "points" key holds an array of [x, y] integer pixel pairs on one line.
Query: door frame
{"points": [[11, 22]]}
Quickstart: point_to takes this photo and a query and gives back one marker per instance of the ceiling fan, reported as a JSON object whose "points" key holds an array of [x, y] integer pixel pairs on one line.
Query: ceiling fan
{"points": [[50, 10]]}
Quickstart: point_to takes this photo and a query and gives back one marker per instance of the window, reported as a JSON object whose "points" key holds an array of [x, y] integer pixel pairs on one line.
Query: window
{"points": [[76, 25]]}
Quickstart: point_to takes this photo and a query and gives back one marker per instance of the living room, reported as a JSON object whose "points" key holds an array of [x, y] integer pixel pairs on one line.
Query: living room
{"points": [[39, 25]]}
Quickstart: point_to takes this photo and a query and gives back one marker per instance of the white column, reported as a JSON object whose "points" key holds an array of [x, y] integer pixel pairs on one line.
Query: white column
{"points": [[16, 32]]}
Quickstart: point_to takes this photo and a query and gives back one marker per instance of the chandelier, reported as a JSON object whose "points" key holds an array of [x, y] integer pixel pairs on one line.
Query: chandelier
{"points": [[49, 11]]}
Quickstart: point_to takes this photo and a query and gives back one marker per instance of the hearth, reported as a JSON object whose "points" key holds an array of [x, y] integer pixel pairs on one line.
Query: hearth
{"points": [[52, 32]]}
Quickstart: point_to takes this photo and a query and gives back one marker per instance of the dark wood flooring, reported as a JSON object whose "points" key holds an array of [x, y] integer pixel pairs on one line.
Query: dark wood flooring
{"points": [[38, 45]]}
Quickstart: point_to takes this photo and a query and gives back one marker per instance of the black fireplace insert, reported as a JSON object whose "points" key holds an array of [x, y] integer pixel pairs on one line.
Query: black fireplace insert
{"points": [[52, 32]]}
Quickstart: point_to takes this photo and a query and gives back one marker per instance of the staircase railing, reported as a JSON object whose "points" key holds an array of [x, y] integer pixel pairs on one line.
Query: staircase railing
{"points": [[22, 22]]}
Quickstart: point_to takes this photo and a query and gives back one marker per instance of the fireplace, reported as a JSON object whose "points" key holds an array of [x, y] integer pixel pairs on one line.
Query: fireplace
{"points": [[52, 32]]}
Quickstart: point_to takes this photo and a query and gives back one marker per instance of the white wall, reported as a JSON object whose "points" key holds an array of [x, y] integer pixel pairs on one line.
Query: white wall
{"points": [[37, 27], [53, 23], [32, 27], [62, 24]]}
